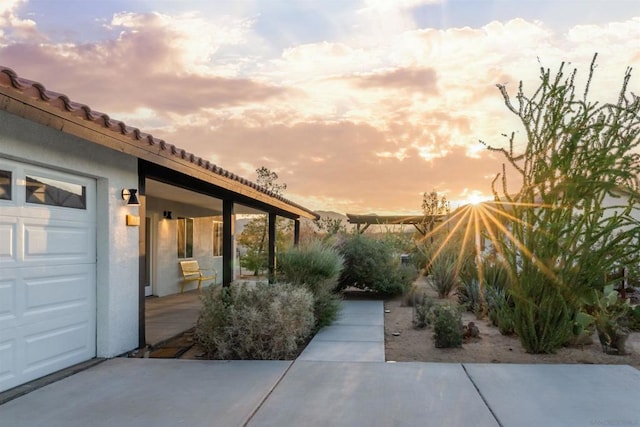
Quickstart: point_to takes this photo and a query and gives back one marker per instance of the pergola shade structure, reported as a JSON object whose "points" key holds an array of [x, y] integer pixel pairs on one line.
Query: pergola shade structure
{"points": [[422, 223]]}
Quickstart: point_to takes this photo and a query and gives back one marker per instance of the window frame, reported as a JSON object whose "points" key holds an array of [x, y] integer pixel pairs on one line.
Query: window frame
{"points": [[6, 189], [216, 238], [184, 241], [52, 198]]}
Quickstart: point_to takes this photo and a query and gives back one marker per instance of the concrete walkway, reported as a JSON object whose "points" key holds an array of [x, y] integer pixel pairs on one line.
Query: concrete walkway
{"points": [[356, 336], [329, 386]]}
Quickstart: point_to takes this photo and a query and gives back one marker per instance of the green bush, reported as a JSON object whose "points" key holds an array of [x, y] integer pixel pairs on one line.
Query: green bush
{"points": [[444, 273], [470, 296], [494, 274], [500, 309], [415, 294], [632, 320], [371, 264], [317, 267], [447, 326], [543, 315], [478, 285], [264, 322], [419, 255], [423, 311]]}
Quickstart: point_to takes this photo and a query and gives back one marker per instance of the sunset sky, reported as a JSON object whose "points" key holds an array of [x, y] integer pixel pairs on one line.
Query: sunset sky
{"points": [[359, 105]]}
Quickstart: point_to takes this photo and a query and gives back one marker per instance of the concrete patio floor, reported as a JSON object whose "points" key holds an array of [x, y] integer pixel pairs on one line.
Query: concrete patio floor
{"points": [[169, 316], [330, 391]]}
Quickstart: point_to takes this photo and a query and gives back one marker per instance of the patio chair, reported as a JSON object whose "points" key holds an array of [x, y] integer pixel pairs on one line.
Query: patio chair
{"points": [[191, 272]]}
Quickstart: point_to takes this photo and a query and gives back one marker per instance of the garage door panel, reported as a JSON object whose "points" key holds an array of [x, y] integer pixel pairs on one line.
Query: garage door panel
{"points": [[56, 242], [57, 290], [63, 340], [8, 241], [7, 360], [8, 306]]}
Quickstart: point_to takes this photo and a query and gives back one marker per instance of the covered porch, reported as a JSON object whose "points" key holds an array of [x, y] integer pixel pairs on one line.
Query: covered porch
{"points": [[184, 218]]}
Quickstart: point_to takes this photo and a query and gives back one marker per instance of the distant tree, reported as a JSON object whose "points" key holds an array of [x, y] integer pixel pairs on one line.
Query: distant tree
{"points": [[267, 180], [434, 205], [330, 226], [254, 236]]}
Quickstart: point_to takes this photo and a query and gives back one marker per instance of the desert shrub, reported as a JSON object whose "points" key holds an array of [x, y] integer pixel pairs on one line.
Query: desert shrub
{"points": [[632, 320], [494, 274], [477, 282], [404, 276], [318, 267], [564, 229], [470, 296], [371, 264], [423, 311], [264, 322], [447, 325], [444, 273], [542, 314], [315, 264], [414, 295], [419, 255], [500, 309]]}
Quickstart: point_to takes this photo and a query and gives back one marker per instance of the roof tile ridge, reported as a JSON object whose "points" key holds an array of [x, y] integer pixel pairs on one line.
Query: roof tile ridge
{"points": [[63, 102]]}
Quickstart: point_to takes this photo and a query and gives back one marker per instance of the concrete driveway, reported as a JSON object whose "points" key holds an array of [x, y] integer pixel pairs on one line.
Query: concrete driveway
{"points": [[340, 380], [156, 392]]}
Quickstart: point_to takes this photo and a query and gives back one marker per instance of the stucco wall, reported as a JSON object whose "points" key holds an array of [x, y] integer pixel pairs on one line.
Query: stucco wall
{"points": [[117, 244], [166, 275]]}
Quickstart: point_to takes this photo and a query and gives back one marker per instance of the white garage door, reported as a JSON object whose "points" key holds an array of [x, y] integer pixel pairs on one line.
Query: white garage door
{"points": [[47, 271]]}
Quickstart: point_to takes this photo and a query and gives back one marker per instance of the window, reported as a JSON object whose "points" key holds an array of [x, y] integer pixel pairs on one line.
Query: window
{"points": [[185, 237], [5, 185], [217, 237], [46, 191]]}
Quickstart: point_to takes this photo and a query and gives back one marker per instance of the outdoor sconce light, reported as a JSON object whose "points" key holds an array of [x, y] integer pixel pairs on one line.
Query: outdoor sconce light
{"points": [[166, 214], [129, 195]]}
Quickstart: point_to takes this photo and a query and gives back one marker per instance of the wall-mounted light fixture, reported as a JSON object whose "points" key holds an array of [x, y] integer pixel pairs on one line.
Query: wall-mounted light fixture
{"points": [[129, 195], [166, 214]]}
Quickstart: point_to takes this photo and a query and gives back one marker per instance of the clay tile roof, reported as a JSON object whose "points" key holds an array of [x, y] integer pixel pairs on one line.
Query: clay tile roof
{"points": [[62, 102]]}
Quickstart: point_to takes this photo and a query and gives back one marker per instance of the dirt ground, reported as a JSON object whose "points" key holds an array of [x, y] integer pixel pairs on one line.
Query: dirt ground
{"points": [[491, 347]]}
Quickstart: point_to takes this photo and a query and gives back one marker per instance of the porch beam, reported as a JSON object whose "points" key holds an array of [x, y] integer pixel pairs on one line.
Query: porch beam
{"points": [[272, 247], [227, 242]]}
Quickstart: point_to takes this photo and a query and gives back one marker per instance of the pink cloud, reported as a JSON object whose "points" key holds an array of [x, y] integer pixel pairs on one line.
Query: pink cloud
{"points": [[414, 79], [337, 161]]}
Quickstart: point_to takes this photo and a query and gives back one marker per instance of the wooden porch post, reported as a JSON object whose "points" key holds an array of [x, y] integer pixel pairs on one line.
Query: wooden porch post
{"points": [[296, 232], [272, 247], [142, 276], [227, 242]]}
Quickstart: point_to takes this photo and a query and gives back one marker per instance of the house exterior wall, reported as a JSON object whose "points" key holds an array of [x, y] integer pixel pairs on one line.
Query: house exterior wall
{"points": [[117, 245], [166, 272]]}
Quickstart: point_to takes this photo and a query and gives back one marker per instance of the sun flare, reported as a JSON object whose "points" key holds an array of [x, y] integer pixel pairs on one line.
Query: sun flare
{"points": [[476, 199]]}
